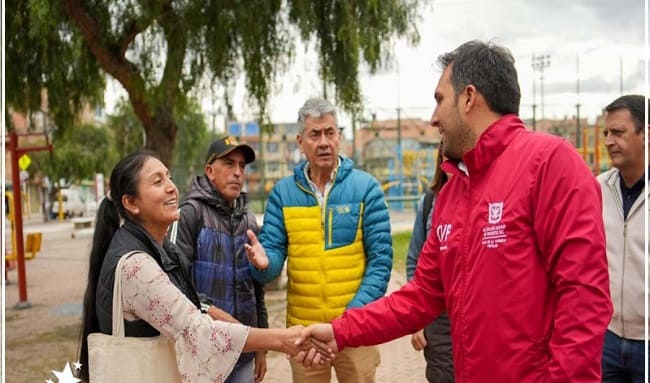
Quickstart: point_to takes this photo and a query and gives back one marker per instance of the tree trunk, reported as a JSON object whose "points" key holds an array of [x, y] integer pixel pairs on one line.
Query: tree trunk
{"points": [[157, 116], [161, 134]]}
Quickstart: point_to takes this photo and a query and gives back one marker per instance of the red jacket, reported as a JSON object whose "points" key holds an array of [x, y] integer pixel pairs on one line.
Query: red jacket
{"points": [[517, 257]]}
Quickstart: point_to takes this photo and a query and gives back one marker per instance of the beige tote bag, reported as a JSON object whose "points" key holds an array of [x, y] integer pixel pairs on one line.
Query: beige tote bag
{"points": [[116, 358]]}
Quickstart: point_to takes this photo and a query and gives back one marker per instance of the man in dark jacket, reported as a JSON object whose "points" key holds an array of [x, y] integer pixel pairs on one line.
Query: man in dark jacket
{"points": [[211, 233]]}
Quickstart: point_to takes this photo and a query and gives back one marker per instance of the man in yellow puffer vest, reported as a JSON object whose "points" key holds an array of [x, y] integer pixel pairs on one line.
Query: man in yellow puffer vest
{"points": [[331, 223]]}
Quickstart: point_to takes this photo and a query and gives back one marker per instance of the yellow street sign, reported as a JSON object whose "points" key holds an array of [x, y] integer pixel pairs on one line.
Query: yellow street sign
{"points": [[24, 161]]}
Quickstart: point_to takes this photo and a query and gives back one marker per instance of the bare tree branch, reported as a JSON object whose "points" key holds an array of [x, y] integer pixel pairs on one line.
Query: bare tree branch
{"points": [[114, 64]]}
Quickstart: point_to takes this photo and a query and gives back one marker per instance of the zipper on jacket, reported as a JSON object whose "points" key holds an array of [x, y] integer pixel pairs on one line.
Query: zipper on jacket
{"points": [[328, 234], [234, 266], [624, 334], [464, 249], [619, 203], [322, 226], [327, 229], [329, 226]]}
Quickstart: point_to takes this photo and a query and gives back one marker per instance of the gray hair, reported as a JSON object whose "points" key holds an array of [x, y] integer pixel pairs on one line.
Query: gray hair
{"points": [[315, 107]]}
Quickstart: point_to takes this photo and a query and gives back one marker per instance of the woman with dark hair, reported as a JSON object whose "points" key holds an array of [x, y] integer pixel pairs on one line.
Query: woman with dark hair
{"points": [[435, 339], [157, 295]]}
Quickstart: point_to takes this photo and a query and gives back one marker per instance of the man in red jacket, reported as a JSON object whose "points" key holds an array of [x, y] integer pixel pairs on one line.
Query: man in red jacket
{"points": [[517, 251]]}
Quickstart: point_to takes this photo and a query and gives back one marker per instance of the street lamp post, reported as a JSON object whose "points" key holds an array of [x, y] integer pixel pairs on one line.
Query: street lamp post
{"points": [[577, 101], [539, 64], [400, 177]]}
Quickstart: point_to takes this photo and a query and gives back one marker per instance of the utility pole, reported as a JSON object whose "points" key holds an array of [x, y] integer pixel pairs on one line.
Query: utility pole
{"points": [[400, 188], [262, 165], [354, 139], [534, 94], [16, 151], [539, 64], [620, 74], [400, 176]]}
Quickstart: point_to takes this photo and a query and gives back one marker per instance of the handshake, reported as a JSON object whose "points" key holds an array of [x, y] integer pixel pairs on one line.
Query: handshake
{"points": [[312, 346]]}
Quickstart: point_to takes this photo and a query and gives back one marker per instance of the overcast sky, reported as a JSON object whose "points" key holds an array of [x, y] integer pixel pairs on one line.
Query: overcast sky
{"points": [[607, 37]]}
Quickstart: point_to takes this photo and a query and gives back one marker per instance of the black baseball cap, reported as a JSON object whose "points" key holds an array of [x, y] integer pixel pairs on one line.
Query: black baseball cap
{"points": [[224, 145]]}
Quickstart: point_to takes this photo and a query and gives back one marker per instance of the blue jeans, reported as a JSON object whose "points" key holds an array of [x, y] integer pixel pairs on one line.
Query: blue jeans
{"points": [[623, 360], [243, 374]]}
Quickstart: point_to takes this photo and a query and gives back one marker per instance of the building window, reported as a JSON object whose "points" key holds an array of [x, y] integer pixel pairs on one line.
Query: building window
{"points": [[291, 130], [234, 129], [272, 167], [252, 129], [272, 147]]}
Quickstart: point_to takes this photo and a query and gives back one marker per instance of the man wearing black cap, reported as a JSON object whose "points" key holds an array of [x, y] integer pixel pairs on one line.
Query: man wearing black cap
{"points": [[211, 233]]}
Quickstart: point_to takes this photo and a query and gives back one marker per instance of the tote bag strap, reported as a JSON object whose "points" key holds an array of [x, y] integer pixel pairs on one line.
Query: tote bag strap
{"points": [[118, 312]]}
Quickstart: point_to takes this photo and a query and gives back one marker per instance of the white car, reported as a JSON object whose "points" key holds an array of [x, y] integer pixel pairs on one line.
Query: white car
{"points": [[73, 204]]}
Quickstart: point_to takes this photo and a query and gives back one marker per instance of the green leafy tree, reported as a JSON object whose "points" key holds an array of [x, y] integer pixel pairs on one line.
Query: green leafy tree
{"points": [[126, 128], [42, 52], [193, 138], [78, 154], [193, 142], [162, 50]]}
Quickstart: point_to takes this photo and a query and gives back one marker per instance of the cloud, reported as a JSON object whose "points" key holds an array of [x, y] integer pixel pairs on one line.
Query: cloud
{"points": [[527, 26], [585, 38]]}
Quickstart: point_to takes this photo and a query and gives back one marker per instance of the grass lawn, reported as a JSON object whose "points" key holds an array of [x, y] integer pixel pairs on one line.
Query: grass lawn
{"points": [[400, 248]]}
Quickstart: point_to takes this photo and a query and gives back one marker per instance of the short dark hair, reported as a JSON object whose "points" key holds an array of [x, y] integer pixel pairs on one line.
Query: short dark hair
{"points": [[636, 104], [491, 69]]}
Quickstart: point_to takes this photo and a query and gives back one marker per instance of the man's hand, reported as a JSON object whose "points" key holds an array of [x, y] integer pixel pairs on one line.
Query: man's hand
{"points": [[260, 366], [304, 348], [418, 341], [318, 345], [218, 314], [255, 252]]}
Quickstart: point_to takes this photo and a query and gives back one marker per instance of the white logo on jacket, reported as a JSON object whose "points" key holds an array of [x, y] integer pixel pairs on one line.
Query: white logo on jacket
{"points": [[443, 232], [495, 211], [494, 234]]}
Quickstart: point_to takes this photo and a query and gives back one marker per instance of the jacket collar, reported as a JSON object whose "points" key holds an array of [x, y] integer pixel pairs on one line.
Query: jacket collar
{"points": [[147, 243], [202, 190], [613, 181], [493, 142], [345, 167]]}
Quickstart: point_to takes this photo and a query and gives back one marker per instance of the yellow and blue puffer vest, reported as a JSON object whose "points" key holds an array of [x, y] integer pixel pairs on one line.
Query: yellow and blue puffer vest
{"points": [[338, 257]]}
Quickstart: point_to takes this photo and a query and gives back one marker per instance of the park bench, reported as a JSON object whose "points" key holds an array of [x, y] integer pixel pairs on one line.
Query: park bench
{"points": [[81, 224]]}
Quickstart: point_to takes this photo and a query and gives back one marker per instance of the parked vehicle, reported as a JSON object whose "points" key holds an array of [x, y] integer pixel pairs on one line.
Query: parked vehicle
{"points": [[73, 204]]}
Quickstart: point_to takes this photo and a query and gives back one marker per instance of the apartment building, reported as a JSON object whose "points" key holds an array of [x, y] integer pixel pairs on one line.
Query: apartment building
{"points": [[277, 153]]}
